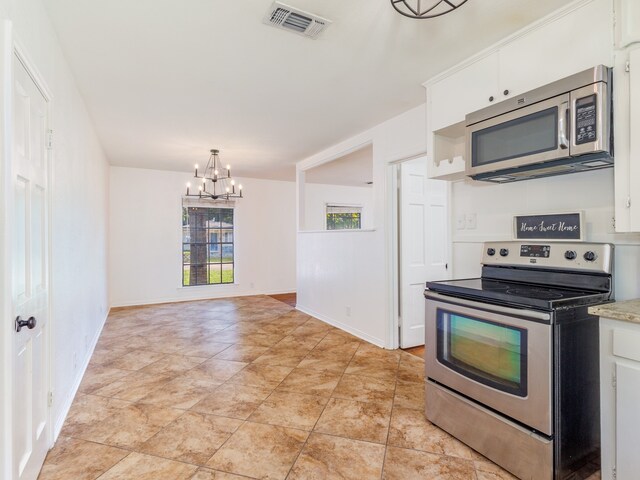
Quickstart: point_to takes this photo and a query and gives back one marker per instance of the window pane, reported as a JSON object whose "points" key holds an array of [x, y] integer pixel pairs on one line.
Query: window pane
{"points": [[198, 274], [215, 253], [215, 275], [226, 235], [344, 221], [227, 273], [227, 253]]}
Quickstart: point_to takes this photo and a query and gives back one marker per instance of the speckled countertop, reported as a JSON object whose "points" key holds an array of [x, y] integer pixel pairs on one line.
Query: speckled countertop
{"points": [[628, 310]]}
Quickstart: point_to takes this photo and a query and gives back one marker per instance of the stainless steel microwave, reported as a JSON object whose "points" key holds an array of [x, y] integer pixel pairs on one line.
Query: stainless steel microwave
{"points": [[560, 128]]}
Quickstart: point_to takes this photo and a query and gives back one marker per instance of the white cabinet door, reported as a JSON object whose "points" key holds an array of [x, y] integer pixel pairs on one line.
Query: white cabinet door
{"points": [[462, 92], [568, 45], [633, 158], [627, 22], [627, 420]]}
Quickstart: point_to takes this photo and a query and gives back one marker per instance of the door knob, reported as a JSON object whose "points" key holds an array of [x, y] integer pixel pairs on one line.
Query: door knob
{"points": [[30, 323]]}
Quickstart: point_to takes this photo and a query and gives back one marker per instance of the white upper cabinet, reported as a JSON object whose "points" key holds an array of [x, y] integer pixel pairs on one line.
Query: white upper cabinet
{"points": [[627, 22], [574, 42], [464, 91]]}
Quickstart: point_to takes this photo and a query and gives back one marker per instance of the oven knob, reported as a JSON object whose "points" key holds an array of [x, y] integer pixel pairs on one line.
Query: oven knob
{"points": [[504, 252], [570, 255], [590, 256], [491, 252]]}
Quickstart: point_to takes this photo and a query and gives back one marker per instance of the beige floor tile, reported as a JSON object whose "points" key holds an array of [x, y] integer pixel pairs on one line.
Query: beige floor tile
{"points": [[366, 421], [145, 467], [103, 355], [173, 364], [264, 376], [365, 389], [284, 356], [180, 392], [192, 438], [208, 474], [127, 427], [98, 376], [333, 458], [134, 386], [260, 451], [288, 409], [235, 401], [89, 409], [411, 368], [370, 366], [205, 348], [320, 361], [241, 353], [76, 459], [216, 371], [409, 395], [260, 339], [135, 360], [312, 382], [487, 470], [403, 464], [410, 429]]}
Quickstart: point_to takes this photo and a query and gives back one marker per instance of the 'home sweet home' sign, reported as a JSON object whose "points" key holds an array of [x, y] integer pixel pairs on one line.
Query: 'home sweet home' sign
{"points": [[556, 226]]}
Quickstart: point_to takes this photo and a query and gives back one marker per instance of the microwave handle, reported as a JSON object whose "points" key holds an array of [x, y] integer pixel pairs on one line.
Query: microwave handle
{"points": [[563, 140]]}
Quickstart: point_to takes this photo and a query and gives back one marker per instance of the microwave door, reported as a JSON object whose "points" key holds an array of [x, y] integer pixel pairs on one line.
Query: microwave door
{"points": [[530, 135]]}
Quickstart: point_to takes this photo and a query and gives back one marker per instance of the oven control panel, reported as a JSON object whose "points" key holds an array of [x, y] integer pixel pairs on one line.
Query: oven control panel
{"points": [[588, 257]]}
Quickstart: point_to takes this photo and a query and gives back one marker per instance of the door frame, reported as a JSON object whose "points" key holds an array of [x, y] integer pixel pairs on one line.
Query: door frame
{"points": [[11, 47], [392, 216]]}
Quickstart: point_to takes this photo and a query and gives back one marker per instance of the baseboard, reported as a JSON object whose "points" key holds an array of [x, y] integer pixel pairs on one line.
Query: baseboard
{"points": [[68, 401], [160, 301], [347, 328]]}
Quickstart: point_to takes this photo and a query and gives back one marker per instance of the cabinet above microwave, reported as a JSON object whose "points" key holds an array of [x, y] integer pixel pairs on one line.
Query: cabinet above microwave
{"points": [[561, 128]]}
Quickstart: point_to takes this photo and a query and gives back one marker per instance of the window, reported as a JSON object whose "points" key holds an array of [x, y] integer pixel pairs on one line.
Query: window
{"points": [[344, 217], [207, 246]]}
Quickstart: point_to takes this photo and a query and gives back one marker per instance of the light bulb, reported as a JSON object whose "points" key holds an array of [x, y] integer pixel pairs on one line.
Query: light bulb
{"points": [[227, 189], [196, 166], [200, 188], [240, 186], [188, 184], [233, 182], [228, 167], [204, 180], [215, 172]]}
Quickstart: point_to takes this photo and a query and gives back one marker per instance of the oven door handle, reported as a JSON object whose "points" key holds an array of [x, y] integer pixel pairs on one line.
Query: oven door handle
{"points": [[486, 306]]}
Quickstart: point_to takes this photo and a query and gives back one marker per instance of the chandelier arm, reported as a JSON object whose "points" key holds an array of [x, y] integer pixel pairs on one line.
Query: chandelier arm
{"points": [[425, 14]]}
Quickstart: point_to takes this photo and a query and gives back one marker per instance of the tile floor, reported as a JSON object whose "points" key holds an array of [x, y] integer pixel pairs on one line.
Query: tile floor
{"points": [[250, 388]]}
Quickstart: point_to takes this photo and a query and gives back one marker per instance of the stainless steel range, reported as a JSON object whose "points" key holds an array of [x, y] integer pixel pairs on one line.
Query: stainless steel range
{"points": [[512, 357]]}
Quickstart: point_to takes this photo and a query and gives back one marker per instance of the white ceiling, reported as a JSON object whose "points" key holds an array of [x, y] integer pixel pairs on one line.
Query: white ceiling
{"points": [[354, 169], [167, 80]]}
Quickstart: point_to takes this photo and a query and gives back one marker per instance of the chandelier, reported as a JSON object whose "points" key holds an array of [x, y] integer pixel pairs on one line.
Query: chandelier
{"points": [[426, 8], [213, 183]]}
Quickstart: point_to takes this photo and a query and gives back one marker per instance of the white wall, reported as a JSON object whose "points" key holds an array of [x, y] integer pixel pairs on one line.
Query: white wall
{"points": [[317, 196], [79, 189], [343, 275], [146, 238], [495, 205]]}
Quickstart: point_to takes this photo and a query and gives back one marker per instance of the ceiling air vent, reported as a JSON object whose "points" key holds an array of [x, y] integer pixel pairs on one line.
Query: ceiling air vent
{"points": [[289, 18]]}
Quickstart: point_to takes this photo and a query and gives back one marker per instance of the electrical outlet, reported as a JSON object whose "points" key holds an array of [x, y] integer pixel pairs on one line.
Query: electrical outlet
{"points": [[348, 311], [461, 222], [472, 221]]}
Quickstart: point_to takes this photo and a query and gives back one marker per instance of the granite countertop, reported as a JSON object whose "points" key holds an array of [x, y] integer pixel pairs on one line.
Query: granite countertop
{"points": [[628, 310]]}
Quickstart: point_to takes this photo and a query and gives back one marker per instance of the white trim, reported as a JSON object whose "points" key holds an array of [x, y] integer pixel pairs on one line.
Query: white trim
{"points": [[6, 346], [342, 326], [68, 401], [556, 14], [344, 230]]}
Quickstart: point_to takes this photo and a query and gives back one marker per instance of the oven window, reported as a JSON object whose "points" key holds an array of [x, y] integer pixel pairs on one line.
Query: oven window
{"points": [[487, 352], [528, 135]]}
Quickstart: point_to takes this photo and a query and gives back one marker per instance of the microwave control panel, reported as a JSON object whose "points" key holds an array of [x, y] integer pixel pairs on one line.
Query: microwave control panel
{"points": [[586, 120]]}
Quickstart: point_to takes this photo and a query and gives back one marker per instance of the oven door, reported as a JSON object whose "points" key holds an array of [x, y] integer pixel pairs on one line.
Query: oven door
{"points": [[498, 356], [530, 135]]}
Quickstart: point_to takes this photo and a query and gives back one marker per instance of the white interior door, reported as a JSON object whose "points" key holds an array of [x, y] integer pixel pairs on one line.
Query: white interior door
{"points": [[30, 290], [423, 244]]}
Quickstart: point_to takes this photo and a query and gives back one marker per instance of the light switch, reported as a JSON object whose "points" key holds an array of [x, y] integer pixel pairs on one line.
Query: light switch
{"points": [[461, 222], [472, 221]]}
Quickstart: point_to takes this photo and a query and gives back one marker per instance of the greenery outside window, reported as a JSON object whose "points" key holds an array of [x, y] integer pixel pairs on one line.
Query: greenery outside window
{"points": [[343, 217], [207, 245]]}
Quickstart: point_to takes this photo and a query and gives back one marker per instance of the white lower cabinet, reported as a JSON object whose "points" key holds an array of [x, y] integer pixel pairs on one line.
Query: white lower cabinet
{"points": [[620, 399]]}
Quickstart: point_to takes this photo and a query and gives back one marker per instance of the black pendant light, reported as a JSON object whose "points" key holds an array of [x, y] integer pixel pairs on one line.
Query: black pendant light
{"points": [[426, 8]]}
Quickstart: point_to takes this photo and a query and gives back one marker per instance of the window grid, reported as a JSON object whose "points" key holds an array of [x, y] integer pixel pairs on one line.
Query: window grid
{"points": [[207, 246]]}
